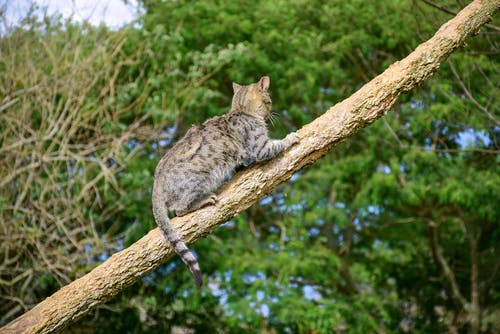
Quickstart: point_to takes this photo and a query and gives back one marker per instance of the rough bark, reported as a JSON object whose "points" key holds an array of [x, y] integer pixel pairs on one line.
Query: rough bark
{"points": [[341, 121]]}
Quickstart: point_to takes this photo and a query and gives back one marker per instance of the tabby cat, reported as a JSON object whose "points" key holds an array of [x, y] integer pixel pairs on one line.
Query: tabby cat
{"points": [[196, 165]]}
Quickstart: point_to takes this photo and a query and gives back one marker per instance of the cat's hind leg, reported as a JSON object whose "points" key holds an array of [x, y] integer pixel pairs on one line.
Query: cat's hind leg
{"points": [[196, 203]]}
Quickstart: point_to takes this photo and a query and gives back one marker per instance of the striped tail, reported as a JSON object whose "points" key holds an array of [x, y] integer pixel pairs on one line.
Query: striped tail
{"points": [[160, 213]]}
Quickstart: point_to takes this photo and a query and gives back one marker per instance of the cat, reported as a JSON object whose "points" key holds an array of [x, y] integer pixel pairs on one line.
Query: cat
{"points": [[197, 164]]}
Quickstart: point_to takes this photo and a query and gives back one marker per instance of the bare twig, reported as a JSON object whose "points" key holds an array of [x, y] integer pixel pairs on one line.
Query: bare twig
{"points": [[451, 12], [468, 93]]}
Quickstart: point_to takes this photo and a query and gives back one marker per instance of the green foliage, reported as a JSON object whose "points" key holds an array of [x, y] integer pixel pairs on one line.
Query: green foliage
{"points": [[345, 246]]}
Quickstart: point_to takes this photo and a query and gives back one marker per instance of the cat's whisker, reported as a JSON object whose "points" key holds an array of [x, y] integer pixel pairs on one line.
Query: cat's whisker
{"points": [[273, 117]]}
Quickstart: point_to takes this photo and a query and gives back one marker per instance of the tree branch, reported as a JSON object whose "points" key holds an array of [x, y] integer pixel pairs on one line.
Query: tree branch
{"points": [[437, 254], [343, 120], [447, 11]]}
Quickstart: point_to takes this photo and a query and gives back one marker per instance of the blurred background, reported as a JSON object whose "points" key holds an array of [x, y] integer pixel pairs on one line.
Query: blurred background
{"points": [[396, 230]]}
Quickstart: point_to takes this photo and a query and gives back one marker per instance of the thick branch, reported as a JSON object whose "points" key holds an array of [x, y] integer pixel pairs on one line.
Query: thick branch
{"points": [[343, 120]]}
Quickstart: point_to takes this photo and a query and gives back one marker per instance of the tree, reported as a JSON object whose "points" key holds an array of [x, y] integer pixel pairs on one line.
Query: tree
{"points": [[353, 113]]}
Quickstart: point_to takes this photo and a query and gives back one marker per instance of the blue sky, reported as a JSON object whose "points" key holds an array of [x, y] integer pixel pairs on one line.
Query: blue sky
{"points": [[114, 13]]}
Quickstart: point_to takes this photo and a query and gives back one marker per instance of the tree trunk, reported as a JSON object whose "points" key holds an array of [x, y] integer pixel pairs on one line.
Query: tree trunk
{"points": [[341, 121], [474, 307]]}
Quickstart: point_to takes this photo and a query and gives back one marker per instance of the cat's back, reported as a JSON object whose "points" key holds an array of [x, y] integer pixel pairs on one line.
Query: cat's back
{"points": [[205, 146]]}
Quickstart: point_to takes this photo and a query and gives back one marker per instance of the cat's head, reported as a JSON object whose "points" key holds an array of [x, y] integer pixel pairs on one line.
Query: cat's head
{"points": [[253, 99]]}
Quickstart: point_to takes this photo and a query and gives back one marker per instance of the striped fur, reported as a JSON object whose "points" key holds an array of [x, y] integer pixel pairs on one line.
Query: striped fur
{"points": [[196, 165], [160, 213]]}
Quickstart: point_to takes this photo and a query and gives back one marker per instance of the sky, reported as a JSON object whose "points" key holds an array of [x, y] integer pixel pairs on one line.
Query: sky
{"points": [[114, 13]]}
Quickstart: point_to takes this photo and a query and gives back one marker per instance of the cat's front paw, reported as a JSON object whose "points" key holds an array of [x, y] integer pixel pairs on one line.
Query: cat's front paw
{"points": [[291, 139]]}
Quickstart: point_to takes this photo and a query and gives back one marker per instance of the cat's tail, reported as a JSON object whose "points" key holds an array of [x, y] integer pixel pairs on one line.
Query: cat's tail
{"points": [[160, 212]]}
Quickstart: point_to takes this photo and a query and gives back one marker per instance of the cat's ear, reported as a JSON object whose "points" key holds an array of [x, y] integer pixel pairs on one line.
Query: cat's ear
{"points": [[264, 83], [236, 87]]}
